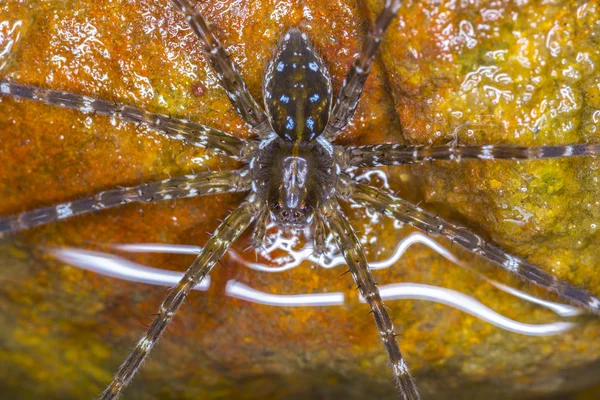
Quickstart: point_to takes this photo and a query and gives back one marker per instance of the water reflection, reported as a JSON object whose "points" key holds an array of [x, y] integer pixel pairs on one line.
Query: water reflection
{"points": [[119, 267], [242, 291], [298, 256], [10, 33], [452, 298], [294, 257]]}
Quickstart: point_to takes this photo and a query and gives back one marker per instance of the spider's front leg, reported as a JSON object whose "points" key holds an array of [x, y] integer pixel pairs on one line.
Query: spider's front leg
{"points": [[175, 188], [229, 230], [352, 250], [412, 215], [180, 129], [395, 154], [227, 72]]}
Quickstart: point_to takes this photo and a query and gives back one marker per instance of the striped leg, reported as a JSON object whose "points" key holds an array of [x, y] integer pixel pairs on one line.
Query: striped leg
{"points": [[352, 250], [191, 132], [226, 70], [406, 212], [175, 188], [229, 230], [352, 87], [394, 154]]}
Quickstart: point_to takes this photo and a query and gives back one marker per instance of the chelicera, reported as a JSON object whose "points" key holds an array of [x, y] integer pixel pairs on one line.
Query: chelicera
{"points": [[294, 175]]}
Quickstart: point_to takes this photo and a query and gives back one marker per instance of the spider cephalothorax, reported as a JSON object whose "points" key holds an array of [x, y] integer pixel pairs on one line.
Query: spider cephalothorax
{"points": [[295, 176], [294, 179]]}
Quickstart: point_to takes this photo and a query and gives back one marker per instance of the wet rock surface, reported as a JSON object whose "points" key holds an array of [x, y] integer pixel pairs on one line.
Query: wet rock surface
{"points": [[493, 72]]}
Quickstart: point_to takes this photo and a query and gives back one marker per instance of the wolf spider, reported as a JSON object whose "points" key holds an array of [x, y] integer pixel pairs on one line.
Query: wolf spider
{"points": [[294, 175]]}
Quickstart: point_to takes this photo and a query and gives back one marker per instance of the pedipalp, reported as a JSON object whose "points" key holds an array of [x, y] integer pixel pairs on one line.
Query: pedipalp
{"points": [[320, 235], [260, 229]]}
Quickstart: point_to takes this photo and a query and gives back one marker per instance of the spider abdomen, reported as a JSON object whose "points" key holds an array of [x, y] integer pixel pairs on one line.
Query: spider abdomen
{"points": [[297, 89]]}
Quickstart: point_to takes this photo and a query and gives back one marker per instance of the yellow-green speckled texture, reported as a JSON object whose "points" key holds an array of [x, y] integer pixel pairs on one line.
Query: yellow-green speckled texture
{"points": [[492, 71]]}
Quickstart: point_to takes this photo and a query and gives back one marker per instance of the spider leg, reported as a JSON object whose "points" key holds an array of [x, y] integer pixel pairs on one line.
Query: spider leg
{"points": [[174, 188], [394, 154], [407, 212], [352, 250], [229, 230], [352, 87], [191, 132], [226, 70]]}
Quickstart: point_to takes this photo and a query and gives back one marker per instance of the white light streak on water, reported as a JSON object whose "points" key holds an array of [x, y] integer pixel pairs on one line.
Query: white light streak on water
{"points": [[460, 301], [241, 291], [118, 267], [301, 255], [563, 310], [158, 248], [298, 256]]}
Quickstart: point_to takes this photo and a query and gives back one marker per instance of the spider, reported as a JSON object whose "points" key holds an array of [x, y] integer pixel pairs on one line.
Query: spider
{"points": [[294, 174]]}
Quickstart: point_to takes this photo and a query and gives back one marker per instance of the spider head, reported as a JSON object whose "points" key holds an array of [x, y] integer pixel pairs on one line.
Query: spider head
{"points": [[291, 216], [291, 198], [293, 180]]}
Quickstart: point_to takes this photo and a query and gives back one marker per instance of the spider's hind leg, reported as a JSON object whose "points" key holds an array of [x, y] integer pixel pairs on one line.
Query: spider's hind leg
{"points": [[227, 72], [352, 250], [352, 87]]}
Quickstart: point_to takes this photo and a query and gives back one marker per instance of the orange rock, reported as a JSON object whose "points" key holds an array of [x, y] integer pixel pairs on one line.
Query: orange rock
{"points": [[512, 71]]}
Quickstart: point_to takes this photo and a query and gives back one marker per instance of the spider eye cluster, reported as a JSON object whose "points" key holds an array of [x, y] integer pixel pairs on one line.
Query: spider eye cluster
{"points": [[299, 216]]}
